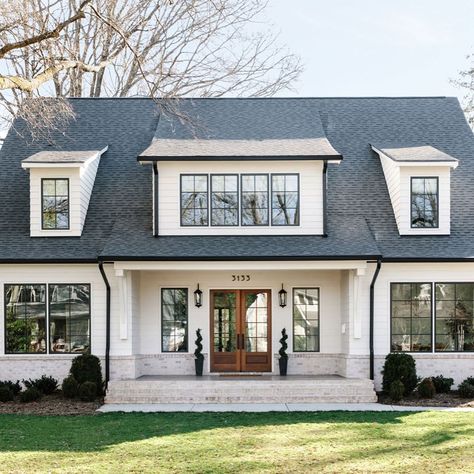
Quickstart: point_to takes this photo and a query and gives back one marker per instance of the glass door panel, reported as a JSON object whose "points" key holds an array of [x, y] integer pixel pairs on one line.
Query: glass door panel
{"points": [[225, 322]]}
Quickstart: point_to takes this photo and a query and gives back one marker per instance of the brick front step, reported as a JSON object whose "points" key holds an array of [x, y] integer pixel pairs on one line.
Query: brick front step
{"points": [[241, 390]]}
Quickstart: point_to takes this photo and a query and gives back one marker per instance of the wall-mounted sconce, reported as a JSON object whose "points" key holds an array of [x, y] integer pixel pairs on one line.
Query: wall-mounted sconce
{"points": [[282, 294], [198, 297]]}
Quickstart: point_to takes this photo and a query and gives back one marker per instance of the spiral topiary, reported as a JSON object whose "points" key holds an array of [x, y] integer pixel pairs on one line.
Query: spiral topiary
{"points": [[284, 345], [198, 352]]}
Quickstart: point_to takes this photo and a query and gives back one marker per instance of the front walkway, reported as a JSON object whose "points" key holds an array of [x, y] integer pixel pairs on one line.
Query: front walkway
{"points": [[266, 407]]}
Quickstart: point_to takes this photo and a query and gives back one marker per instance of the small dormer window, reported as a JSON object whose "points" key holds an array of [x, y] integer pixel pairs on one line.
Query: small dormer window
{"points": [[424, 202], [55, 203]]}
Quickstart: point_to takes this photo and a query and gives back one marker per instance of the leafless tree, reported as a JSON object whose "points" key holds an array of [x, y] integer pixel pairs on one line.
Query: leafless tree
{"points": [[159, 48], [466, 81]]}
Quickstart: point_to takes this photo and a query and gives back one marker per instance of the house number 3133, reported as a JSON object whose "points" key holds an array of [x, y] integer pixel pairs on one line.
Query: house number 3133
{"points": [[240, 277]]}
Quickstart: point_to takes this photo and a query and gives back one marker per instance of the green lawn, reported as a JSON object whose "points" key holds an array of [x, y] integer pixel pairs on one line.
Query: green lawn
{"points": [[241, 443]]}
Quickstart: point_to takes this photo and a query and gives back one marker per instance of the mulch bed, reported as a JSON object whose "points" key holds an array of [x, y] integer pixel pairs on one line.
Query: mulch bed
{"points": [[54, 404], [451, 399]]}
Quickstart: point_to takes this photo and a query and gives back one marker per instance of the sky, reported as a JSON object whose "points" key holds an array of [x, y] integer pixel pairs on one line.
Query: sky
{"points": [[376, 47]]}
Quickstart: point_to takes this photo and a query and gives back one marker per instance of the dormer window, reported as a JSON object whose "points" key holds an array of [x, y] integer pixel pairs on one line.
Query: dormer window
{"points": [[61, 184], [424, 202], [194, 200], [55, 203], [419, 183]]}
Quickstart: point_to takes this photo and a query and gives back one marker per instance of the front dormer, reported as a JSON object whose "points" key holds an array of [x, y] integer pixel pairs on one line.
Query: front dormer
{"points": [[419, 182], [61, 185]]}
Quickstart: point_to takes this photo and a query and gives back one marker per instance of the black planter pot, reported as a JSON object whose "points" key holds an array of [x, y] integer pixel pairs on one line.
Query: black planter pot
{"points": [[283, 363], [199, 364]]}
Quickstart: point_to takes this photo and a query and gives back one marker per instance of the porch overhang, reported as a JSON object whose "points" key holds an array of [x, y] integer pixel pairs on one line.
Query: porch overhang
{"points": [[205, 265]]}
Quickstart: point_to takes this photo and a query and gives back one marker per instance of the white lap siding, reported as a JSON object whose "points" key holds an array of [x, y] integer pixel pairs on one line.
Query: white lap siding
{"points": [[311, 195], [20, 366], [457, 365]]}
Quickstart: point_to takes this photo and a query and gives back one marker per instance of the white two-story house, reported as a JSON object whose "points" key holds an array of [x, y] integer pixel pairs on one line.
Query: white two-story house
{"points": [[347, 221]]}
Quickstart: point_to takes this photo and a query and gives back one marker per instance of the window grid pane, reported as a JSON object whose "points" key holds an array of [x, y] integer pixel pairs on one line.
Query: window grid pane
{"points": [[424, 202], [174, 329], [454, 321], [254, 199], [55, 204], [306, 320], [285, 199], [224, 200], [69, 318], [194, 200], [25, 319], [411, 322]]}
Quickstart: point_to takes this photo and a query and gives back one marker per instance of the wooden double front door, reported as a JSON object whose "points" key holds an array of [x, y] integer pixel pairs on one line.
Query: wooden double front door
{"points": [[241, 331]]}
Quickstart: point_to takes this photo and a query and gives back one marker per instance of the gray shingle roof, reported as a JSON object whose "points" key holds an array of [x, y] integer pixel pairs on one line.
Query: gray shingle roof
{"points": [[424, 153], [360, 217]]}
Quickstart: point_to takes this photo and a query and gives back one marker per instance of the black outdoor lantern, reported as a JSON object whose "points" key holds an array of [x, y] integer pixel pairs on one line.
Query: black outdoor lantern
{"points": [[198, 297], [282, 294]]}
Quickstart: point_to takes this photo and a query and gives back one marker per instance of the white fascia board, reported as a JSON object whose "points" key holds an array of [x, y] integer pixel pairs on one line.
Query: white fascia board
{"points": [[359, 265]]}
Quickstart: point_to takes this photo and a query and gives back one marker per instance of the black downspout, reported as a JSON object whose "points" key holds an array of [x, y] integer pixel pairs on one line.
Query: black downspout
{"points": [[371, 331], [155, 199], [325, 199], [107, 324]]}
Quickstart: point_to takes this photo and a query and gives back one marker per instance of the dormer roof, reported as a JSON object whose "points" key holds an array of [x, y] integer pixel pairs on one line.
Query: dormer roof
{"points": [[61, 158], [241, 129], [418, 155]]}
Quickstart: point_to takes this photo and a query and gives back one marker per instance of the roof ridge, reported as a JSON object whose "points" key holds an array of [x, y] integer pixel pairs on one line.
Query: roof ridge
{"points": [[268, 98]]}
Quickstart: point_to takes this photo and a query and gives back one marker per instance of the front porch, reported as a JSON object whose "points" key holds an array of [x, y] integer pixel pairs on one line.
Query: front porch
{"points": [[240, 389]]}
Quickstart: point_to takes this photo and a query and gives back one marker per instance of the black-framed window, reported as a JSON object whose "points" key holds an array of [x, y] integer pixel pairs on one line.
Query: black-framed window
{"points": [[411, 317], [224, 199], [305, 319], [25, 319], [454, 321], [285, 199], [424, 202], [254, 199], [194, 200], [55, 203], [69, 318], [174, 320]]}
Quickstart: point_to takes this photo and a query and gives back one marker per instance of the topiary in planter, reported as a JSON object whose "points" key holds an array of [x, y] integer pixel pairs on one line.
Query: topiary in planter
{"points": [[442, 384], [15, 387], [6, 395], [397, 389], [283, 361], [70, 387], [31, 394], [426, 389], [88, 391], [86, 368], [399, 366], [199, 357], [466, 389]]}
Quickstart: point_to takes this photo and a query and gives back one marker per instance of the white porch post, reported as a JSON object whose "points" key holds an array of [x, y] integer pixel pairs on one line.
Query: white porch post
{"points": [[125, 302], [356, 309]]}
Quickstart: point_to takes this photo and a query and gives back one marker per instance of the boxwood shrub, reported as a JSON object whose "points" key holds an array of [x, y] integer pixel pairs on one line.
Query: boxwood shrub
{"points": [[86, 368], [399, 366]]}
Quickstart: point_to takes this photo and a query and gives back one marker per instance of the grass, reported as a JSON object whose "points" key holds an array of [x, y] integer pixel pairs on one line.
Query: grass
{"points": [[239, 443]]}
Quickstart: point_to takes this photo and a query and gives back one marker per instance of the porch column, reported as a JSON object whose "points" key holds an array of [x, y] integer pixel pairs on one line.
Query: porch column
{"points": [[356, 310], [124, 278]]}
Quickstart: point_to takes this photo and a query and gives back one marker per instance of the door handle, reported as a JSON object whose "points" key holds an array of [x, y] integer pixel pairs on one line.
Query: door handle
{"points": [[242, 341], [238, 341]]}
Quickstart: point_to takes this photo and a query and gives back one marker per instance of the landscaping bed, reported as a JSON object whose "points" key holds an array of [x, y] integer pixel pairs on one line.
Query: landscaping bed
{"points": [[451, 399], [54, 404]]}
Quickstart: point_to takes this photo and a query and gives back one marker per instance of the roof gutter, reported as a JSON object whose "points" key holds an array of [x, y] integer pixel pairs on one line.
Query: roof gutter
{"points": [[371, 323], [143, 159], [107, 324], [325, 199], [155, 199]]}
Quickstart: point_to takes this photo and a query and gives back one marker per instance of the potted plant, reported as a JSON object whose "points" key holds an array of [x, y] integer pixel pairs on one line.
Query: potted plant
{"points": [[283, 360], [198, 356]]}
